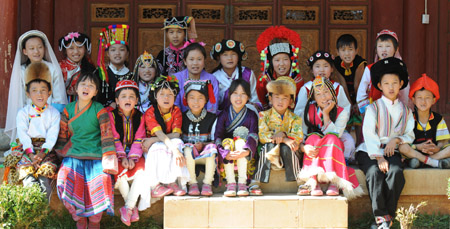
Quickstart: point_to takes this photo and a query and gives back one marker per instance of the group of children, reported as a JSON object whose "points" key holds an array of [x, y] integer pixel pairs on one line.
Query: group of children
{"points": [[150, 131]]}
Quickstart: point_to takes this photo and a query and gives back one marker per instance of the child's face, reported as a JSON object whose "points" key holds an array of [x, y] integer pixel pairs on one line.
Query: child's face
{"points": [[165, 98], [86, 90], [385, 49], [280, 102], [347, 53], [238, 98], [176, 37], [322, 68], [34, 49], [195, 62], [281, 64], [117, 54], [229, 59], [76, 52], [390, 86], [423, 100], [146, 73], [196, 101], [127, 100], [39, 93], [323, 96]]}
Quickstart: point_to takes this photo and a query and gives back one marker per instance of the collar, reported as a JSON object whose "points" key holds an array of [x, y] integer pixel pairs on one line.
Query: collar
{"points": [[348, 70], [180, 48], [121, 71], [39, 110], [167, 116], [122, 113], [389, 102], [278, 115]]}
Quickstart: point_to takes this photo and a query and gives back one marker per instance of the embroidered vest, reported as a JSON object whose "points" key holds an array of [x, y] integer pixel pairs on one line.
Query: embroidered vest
{"points": [[383, 118], [123, 126], [425, 135]]}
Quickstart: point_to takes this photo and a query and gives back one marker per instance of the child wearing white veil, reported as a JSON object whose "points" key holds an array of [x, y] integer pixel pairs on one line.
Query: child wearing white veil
{"points": [[16, 97]]}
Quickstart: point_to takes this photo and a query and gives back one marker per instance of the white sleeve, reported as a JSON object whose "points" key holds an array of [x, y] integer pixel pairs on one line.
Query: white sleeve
{"points": [[362, 98], [53, 131], [339, 125], [371, 138], [343, 100], [22, 129], [302, 99]]}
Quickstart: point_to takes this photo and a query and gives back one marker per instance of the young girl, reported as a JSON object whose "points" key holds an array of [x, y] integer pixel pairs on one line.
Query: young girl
{"points": [[114, 41], [145, 73], [279, 48], [181, 32], [75, 47], [321, 64], [33, 46], [128, 131], [198, 135], [194, 58], [164, 162], [240, 123], [324, 123], [230, 54], [87, 145]]}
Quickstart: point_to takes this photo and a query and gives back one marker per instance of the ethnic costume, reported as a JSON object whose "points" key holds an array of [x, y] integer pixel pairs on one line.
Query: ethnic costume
{"points": [[268, 50], [385, 120], [85, 141], [349, 73], [146, 60], [17, 98]]}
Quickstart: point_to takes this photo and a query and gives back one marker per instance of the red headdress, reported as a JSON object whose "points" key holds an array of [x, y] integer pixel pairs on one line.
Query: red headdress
{"points": [[427, 83]]}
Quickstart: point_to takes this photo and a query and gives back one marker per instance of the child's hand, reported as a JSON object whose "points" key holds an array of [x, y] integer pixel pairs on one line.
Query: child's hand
{"points": [[34, 161], [199, 146], [311, 151], [428, 147], [383, 164], [278, 137], [327, 109], [291, 143], [146, 143], [181, 161], [390, 147], [125, 163], [131, 164], [39, 157], [240, 154], [230, 156]]}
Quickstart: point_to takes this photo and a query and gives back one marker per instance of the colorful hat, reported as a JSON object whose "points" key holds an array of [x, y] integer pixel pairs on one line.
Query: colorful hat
{"points": [[203, 86], [126, 84], [291, 45], [320, 55], [36, 71], [180, 22], [320, 82], [427, 83], [72, 38], [390, 65], [170, 82], [388, 32], [283, 85], [148, 60], [228, 45]]}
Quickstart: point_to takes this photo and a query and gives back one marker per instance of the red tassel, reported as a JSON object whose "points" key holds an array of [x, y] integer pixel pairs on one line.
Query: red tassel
{"points": [[211, 96], [185, 101]]}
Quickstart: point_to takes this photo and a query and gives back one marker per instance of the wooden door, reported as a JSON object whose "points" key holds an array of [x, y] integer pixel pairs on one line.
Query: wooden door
{"points": [[443, 59]]}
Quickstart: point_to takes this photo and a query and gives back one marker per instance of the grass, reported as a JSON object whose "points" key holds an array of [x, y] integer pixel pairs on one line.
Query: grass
{"points": [[423, 221]]}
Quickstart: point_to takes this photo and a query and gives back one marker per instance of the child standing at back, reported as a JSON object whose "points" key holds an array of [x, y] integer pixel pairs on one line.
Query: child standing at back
{"points": [[145, 73], [388, 124]]}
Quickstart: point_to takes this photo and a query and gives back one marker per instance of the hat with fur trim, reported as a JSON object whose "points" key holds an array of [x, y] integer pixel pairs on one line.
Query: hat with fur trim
{"points": [[284, 86], [390, 65], [36, 71], [426, 83]]}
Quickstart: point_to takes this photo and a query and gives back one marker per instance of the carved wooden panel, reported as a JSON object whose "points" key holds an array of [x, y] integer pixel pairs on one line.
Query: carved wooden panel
{"points": [[252, 15], [310, 44], [155, 13], [211, 14], [95, 35], [102, 12], [210, 36], [300, 15], [150, 40], [248, 38], [359, 34], [348, 14]]}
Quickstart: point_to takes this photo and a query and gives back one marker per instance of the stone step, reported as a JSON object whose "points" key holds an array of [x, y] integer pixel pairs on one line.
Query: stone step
{"points": [[273, 210]]}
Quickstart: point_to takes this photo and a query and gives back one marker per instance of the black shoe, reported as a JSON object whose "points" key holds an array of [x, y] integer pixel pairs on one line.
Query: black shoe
{"points": [[414, 163], [444, 163]]}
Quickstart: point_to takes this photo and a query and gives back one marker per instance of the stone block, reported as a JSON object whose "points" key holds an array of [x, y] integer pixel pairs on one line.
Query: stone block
{"points": [[185, 212], [230, 212], [278, 184], [276, 211], [325, 212]]}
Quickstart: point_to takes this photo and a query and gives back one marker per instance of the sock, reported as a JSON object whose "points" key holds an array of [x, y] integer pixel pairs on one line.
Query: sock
{"points": [[432, 162]]}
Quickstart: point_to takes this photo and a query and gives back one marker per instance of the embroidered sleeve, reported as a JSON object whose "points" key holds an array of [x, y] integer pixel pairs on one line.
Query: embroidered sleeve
{"points": [[295, 130], [302, 98], [177, 120], [265, 133], [371, 138], [338, 126], [220, 127], [22, 124], [117, 142], [107, 138], [151, 125], [442, 131], [136, 148], [362, 97], [52, 132], [62, 145], [252, 139], [408, 136]]}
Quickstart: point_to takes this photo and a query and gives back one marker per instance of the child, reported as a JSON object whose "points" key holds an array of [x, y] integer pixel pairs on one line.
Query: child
{"points": [[164, 162], [194, 58], [87, 145], [33, 46], [37, 131], [279, 48], [240, 123], [430, 129], [386, 45], [145, 73], [280, 131], [113, 41], [198, 135], [388, 123], [230, 54], [128, 130], [181, 32], [324, 122], [75, 47], [322, 64]]}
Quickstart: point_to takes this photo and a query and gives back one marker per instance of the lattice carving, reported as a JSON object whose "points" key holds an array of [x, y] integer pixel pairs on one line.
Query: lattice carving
{"points": [[211, 14], [300, 15], [156, 13], [348, 14], [109, 12], [253, 15]]}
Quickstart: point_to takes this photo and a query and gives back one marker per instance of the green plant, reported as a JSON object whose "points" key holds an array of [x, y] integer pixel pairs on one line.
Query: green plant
{"points": [[448, 189], [406, 217], [21, 206]]}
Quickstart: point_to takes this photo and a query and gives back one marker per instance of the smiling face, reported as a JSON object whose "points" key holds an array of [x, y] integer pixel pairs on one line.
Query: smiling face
{"points": [[176, 37], [196, 101], [38, 92], [238, 98], [323, 96], [280, 102], [229, 59], [281, 64], [322, 68], [385, 49], [127, 100], [117, 54], [34, 49], [165, 99], [347, 53], [147, 73], [76, 52], [423, 100], [195, 62], [86, 90], [390, 85]]}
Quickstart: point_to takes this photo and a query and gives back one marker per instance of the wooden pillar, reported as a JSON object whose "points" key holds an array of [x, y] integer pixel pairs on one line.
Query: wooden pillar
{"points": [[8, 40], [43, 17]]}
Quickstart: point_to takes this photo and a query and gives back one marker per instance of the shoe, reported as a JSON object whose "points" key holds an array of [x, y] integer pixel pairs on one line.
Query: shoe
{"points": [[193, 190], [206, 190], [332, 190], [177, 191], [231, 190], [242, 190], [160, 191], [385, 225], [125, 215], [304, 190], [317, 191], [82, 223], [255, 190], [134, 215], [444, 163], [414, 163]]}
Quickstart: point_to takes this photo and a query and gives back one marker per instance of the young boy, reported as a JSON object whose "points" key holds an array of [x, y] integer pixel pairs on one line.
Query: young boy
{"points": [[388, 124], [37, 132], [280, 131], [430, 128]]}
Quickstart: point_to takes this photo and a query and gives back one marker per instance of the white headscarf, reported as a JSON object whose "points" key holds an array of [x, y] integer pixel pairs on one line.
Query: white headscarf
{"points": [[16, 97]]}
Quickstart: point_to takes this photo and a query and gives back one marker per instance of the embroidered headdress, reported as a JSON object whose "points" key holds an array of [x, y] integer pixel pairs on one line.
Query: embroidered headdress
{"points": [[390, 65], [74, 37], [203, 86], [427, 83], [126, 84], [320, 55], [228, 45], [169, 82], [320, 82], [392, 34], [148, 60], [284, 86], [181, 22]]}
